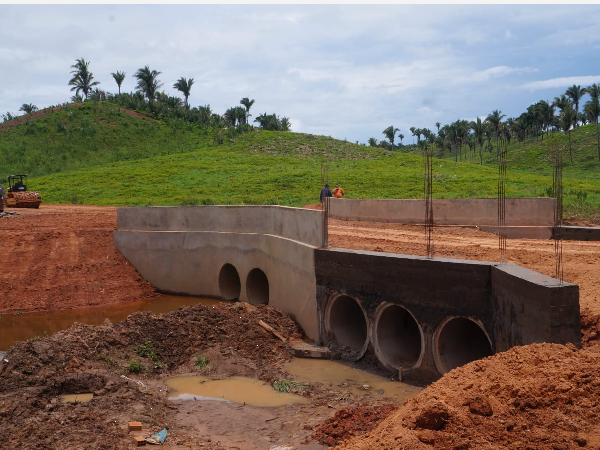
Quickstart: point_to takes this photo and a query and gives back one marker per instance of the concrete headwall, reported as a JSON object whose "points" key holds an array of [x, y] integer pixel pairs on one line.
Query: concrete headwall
{"points": [[252, 254], [441, 313], [531, 307], [468, 211]]}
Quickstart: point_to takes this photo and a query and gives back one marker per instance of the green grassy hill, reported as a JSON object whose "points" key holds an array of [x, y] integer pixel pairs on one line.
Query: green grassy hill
{"points": [[99, 154]]}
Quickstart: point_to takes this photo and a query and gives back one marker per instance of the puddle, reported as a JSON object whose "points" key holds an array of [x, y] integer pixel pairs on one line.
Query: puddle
{"points": [[20, 327], [73, 398], [235, 389], [357, 381]]}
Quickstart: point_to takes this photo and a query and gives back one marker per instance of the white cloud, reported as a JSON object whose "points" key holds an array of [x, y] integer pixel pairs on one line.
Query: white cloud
{"points": [[562, 82]]}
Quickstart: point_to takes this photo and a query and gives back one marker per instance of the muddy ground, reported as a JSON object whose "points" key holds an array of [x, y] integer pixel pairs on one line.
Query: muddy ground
{"points": [[62, 257]]}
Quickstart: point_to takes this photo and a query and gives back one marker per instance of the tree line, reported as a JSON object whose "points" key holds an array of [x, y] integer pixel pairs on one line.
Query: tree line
{"points": [[541, 118], [150, 100]]}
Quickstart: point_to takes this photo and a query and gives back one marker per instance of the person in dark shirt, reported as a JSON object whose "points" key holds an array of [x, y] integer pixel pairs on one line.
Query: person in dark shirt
{"points": [[325, 192]]}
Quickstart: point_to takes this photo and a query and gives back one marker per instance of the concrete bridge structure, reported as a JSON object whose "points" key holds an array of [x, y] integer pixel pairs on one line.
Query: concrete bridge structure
{"points": [[419, 317]]}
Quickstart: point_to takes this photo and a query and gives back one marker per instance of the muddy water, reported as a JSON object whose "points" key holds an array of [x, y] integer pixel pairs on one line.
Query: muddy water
{"points": [[73, 398], [357, 381], [235, 389], [20, 327]]}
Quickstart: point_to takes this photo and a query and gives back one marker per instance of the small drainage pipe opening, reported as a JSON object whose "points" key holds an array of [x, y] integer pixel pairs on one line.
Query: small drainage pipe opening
{"points": [[257, 287], [229, 283], [459, 341], [398, 339], [346, 321]]}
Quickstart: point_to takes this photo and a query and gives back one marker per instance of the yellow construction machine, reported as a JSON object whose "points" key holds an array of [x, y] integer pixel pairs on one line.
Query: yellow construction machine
{"points": [[18, 196]]}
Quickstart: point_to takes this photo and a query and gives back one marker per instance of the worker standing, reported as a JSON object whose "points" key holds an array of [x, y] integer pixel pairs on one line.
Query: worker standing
{"points": [[338, 192], [325, 192]]}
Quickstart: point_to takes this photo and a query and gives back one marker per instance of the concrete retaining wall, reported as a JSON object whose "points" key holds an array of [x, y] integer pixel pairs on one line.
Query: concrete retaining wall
{"points": [[299, 224], [468, 211], [202, 250]]}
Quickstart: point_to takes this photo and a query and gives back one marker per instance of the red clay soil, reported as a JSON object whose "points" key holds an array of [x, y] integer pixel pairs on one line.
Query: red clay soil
{"points": [[537, 397], [350, 422], [63, 257]]}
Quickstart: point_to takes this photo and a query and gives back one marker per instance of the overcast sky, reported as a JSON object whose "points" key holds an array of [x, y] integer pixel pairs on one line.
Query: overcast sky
{"points": [[342, 71]]}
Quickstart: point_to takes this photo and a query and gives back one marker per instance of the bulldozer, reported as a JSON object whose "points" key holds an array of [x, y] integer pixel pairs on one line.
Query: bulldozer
{"points": [[17, 195]]}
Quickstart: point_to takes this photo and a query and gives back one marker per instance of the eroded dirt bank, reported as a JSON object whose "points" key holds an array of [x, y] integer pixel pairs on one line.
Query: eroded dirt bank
{"points": [[63, 257]]}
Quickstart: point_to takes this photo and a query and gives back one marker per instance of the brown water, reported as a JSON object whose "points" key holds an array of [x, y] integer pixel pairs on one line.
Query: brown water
{"points": [[241, 390], [73, 398], [357, 381], [20, 327]]}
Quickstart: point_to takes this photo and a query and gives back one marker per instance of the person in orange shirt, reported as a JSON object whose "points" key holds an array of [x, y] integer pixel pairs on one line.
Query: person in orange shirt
{"points": [[338, 192]]}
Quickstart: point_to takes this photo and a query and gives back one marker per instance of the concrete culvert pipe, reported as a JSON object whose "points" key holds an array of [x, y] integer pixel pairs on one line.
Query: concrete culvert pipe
{"points": [[229, 283], [397, 338], [458, 341], [257, 287], [346, 321]]}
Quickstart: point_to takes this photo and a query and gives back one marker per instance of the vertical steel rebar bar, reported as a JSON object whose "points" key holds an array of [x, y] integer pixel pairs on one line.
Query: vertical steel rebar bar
{"points": [[557, 190], [502, 162], [428, 197]]}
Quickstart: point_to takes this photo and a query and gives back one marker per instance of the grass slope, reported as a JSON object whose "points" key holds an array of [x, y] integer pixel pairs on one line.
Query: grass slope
{"points": [[101, 155]]}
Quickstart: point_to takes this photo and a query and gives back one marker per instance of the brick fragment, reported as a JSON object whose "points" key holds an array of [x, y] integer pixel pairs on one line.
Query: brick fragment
{"points": [[134, 426]]}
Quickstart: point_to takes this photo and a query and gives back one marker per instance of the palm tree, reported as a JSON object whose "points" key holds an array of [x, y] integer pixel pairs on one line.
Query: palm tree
{"points": [[28, 108], [148, 83], [184, 86], [400, 136], [494, 119], [592, 109], [566, 119], [247, 104], [575, 93], [205, 114], [235, 115], [119, 77], [372, 142], [561, 102], [478, 128], [286, 125], [594, 91], [390, 133], [82, 78]]}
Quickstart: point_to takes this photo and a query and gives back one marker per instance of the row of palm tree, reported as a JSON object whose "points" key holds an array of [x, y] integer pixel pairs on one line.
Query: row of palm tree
{"points": [[148, 98], [541, 118]]}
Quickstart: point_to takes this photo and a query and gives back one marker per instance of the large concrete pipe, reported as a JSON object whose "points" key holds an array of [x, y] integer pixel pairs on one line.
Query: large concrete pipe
{"points": [[346, 322], [229, 283], [257, 287], [458, 341], [397, 337]]}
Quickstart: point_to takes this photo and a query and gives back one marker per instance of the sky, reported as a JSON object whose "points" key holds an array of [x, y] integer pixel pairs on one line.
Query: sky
{"points": [[345, 71]]}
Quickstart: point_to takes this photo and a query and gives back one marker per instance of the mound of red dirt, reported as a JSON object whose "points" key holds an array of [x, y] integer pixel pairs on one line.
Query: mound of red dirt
{"points": [[540, 396]]}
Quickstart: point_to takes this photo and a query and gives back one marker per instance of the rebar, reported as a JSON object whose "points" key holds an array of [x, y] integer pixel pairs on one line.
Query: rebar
{"points": [[325, 237], [324, 181], [428, 197], [557, 190], [502, 162]]}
